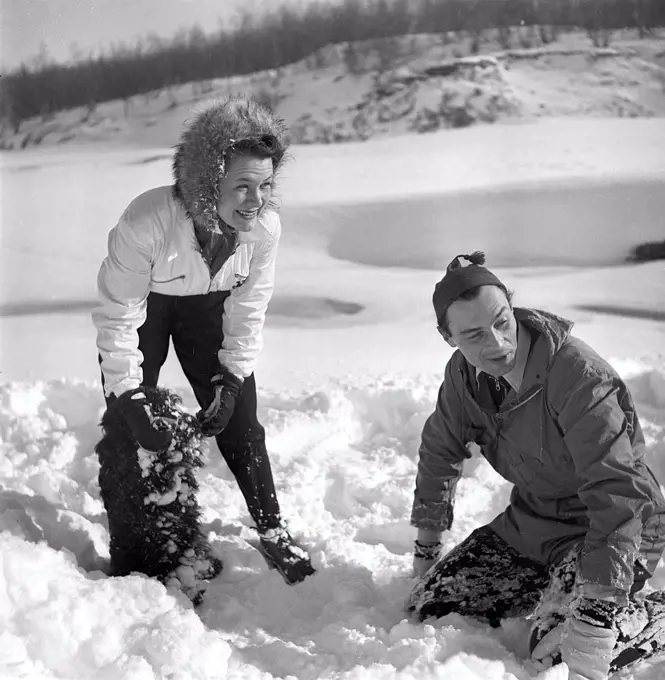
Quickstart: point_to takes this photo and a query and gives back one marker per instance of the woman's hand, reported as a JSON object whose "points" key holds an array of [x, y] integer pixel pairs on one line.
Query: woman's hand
{"points": [[216, 417], [136, 412]]}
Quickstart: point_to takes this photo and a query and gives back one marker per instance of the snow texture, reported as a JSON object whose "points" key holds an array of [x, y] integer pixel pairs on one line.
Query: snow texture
{"points": [[343, 398]]}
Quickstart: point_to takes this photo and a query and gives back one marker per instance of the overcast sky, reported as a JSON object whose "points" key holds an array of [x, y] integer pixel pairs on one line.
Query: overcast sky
{"points": [[26, 25]]}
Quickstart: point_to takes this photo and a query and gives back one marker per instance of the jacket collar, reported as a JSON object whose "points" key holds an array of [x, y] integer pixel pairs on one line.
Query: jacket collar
{"points": [[549, 332]]}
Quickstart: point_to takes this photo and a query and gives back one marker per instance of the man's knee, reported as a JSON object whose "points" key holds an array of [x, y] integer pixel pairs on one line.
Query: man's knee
{"points": [[481, 577]]}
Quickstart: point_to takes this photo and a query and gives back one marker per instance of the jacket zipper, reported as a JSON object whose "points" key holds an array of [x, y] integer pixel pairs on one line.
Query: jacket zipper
{"points": [[525, 400], [210, 276], [199, 249], [535, 391]]}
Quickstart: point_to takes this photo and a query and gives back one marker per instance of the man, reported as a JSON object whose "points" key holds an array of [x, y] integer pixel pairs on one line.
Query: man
{"points": [[585, 526]]}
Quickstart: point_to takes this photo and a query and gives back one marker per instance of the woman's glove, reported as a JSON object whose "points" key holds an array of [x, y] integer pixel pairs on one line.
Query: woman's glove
{"points": [[216, 417], [587, 650], [425, 554], [135, 410]]}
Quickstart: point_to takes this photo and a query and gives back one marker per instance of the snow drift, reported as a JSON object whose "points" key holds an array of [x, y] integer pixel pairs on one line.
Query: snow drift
{"points": [[344, 459]]}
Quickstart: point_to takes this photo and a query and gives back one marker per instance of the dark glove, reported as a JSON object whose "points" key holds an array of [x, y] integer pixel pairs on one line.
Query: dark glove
{"points": [[216, 417], [136, 412]]}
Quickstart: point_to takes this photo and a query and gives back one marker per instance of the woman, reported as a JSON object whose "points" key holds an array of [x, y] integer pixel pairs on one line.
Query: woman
{"points": [[195, 263]]}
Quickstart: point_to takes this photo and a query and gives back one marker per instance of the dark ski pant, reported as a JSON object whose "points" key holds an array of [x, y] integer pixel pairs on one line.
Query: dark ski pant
{"points": [[194, 324], [483, 577]]}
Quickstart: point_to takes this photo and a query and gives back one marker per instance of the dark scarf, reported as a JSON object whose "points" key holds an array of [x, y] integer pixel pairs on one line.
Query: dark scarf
{"points": [[216, 247]]}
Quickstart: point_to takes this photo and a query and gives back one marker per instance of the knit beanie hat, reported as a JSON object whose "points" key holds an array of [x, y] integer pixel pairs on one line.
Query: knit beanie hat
{"points": [[458, 279]]}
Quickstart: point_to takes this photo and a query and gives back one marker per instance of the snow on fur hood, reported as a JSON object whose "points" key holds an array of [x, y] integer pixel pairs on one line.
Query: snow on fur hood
{"points": [[207, 145], [151, 248]]}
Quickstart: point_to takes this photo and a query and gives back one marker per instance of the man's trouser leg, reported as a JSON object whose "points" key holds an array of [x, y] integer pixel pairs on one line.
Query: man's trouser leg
{"points": [[482, 577], [640, 625]]}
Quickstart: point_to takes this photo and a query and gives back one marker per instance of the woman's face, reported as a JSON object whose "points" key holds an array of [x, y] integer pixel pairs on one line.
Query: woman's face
{"points": [[245, 191]]}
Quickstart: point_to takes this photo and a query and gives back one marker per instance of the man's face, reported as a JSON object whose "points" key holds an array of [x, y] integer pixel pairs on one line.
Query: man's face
{"points": [[485, 331]]}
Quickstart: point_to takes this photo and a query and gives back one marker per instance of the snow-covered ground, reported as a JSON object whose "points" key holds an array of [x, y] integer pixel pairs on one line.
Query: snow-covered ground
{"points": [[349, 374]]}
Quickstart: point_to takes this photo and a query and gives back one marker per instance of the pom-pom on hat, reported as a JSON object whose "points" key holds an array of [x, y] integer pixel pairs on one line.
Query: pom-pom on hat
{"points": [[458, 279]]}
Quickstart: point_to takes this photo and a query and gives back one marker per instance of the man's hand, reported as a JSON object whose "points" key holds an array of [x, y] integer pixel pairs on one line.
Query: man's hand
{"points": [[136, 412], [426, 551], [587, 650], [216, 417], [585, 641], [547, 650]]}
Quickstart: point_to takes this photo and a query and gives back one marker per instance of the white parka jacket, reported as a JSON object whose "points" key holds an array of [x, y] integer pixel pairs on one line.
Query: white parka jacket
{"points": [[154, 248]]}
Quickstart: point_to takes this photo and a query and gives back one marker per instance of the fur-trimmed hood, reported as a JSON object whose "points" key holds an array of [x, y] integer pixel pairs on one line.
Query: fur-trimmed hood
{"points": [[206, 145]]}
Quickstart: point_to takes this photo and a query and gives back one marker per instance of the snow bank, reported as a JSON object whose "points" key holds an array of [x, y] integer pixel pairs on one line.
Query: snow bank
{"points": [[59, 622], [344, 459]]}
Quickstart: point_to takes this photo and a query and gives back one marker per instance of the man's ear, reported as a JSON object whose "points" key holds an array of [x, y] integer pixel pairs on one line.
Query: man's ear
{"points": [[446, 336]]}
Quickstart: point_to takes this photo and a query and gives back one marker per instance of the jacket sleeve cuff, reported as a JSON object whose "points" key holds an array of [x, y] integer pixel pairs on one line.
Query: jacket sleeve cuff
{"points": [[432, 515], [606, 566], [600, 613], [240, 367], [596, 591], [122, 387]]}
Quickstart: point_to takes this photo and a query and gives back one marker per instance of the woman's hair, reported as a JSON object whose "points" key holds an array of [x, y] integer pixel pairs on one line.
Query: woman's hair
{"points": [[266, 146], [233, 127]]}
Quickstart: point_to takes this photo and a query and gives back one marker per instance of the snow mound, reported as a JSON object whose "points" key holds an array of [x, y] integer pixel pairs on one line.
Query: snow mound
{"points": [[59, 622], [450, 94]]}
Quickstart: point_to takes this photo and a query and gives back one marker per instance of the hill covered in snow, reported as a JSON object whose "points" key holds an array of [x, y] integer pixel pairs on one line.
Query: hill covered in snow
{"points": [[418, 83]]}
